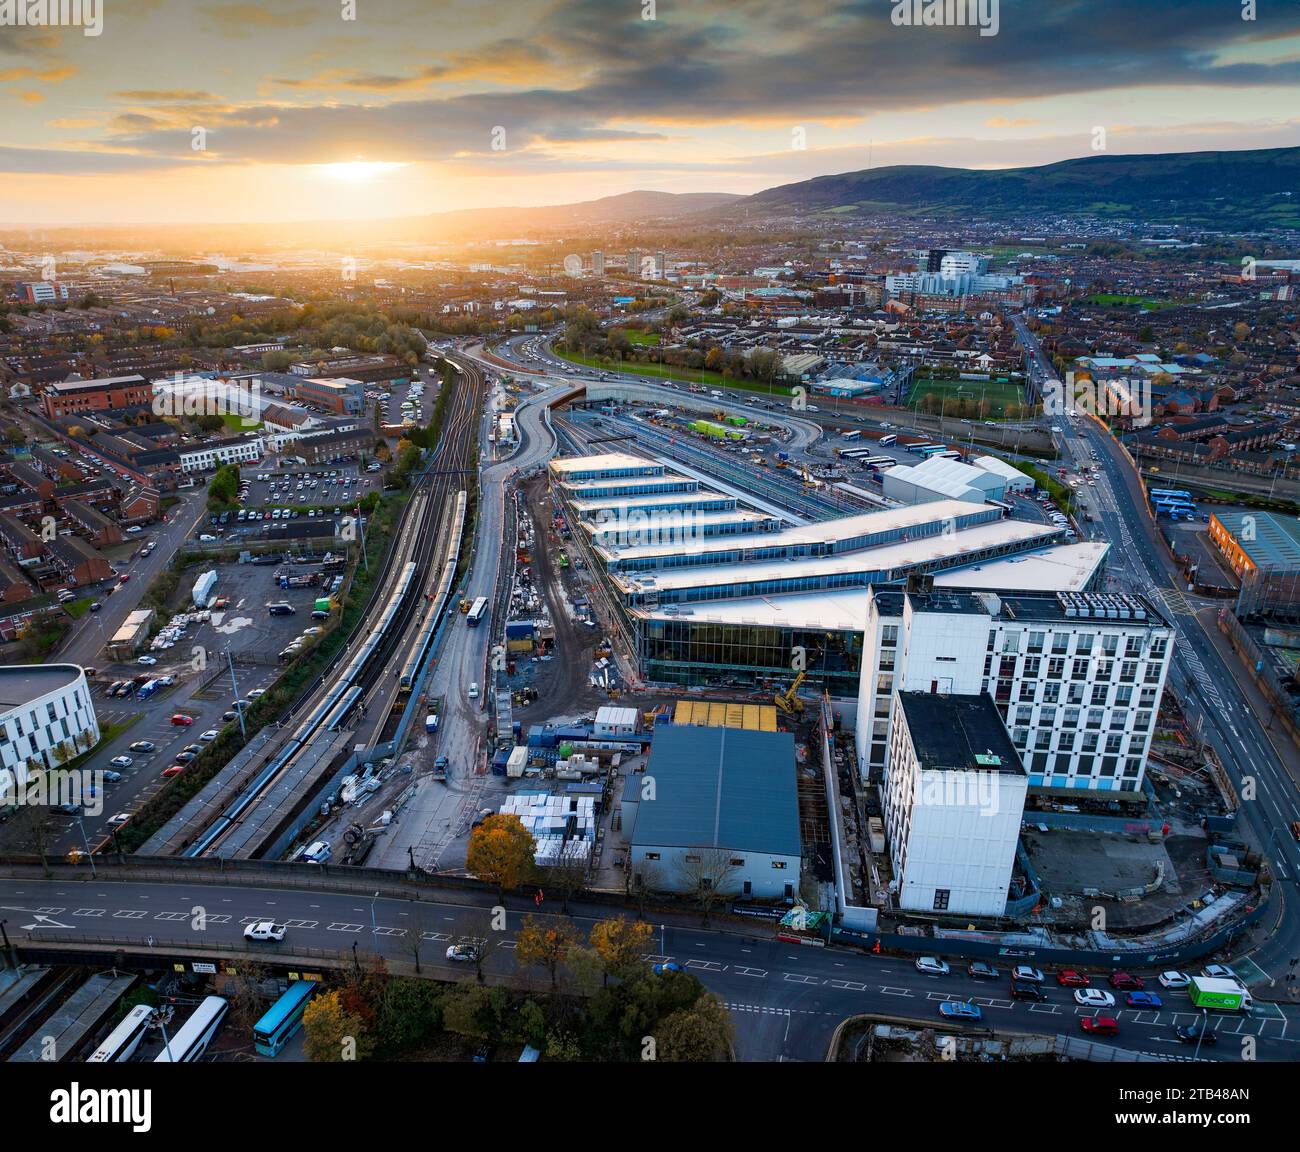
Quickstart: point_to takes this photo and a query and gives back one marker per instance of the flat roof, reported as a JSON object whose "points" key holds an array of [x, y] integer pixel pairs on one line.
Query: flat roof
{"points": [[959, 733], [666, 483], [566, 464], [691, 519], [884, 558], [845, 609], [822, 531], [650, 500], [22, 683], [721, 788], [1276, 542]]}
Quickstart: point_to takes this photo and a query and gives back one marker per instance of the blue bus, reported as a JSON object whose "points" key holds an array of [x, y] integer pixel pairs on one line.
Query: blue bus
{"points": [[284, 1018], [1169, 494], [920, 449], [933, 450]]}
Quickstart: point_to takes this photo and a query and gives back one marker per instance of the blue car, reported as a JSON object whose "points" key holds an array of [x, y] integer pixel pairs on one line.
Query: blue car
{"points": [[1142, 1000], [956, 1010], [670, 966]]}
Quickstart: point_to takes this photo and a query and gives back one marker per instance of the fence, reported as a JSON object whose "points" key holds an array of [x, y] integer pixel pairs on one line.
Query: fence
{"points": [[1262, 672]]}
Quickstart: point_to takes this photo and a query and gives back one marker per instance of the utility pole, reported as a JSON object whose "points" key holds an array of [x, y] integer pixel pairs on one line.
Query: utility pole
{"points": [[239, 700]]}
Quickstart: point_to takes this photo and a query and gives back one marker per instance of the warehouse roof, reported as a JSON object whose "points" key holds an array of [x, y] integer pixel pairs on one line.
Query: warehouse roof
{"points": [[1000, 468], [949, 477], [22, 683], [721, 788], [1276, 538], [567, 464]]}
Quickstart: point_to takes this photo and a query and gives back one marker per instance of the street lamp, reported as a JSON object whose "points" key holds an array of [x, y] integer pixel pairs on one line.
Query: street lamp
{"points": [[89, 855], [373, 928]]}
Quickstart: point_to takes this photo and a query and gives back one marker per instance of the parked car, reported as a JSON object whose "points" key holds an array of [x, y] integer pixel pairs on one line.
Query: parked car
{"points": [[957, 1010], [1100, 1025], [1071, 978], [1093, 998], [172, 770], [463, 953], [111, 777], [120, 819], [932, 966], [121, 761], [264, 930], [667, 966], [184, 757], [981, 971], [1172, 979], [181, 720], [210, 734], [148, 661]]}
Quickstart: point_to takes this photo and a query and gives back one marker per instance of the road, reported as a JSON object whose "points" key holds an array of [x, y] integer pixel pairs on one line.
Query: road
{"points": [[785, 1000]]}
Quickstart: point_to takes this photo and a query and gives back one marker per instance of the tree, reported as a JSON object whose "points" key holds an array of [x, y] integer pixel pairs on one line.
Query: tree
{"points": [[276, 361], [333, 1034], [707, 872], [501, 852], [544, 943], [569, 873], [698, 1034], [223, 486], [620, 944]]}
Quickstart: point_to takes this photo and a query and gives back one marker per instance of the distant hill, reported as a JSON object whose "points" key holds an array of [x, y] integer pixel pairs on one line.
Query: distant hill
{"points": [[1233, 191]]}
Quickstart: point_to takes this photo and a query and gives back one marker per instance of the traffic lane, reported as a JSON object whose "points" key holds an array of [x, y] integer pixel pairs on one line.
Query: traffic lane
{"points": [[808, 990]]}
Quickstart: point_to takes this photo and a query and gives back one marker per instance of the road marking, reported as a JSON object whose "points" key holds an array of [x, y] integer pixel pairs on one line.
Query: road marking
{"points": [[896, 991], [796, 978], [340, 927], [707, 965], [848, 985], [129, 914], [90, 911], [759, 972]]}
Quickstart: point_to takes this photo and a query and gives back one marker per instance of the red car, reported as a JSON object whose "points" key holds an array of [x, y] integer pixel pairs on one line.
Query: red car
{"points": [[124, 577], [180, 719], [1069, 978], [1126, 981], [1100, 1025], [174, 770]]}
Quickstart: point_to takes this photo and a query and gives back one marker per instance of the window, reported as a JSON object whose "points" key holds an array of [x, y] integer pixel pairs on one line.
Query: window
{"points": [[889, 636], [652, 855], [1110, 644], [941, 899], [738, 862], [1032, 665], [1060, 645], [1055, 668], [778, 864], [1036, 641], [1084, 646], [692, 859], [1011, 642]]}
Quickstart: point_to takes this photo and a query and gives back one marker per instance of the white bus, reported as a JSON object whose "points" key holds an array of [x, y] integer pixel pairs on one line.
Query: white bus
{"points": [[121, 1043], [886, 441], [192, 1040]]}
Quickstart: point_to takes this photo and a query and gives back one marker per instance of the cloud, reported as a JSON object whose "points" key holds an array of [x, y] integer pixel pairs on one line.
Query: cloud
{"points": [[175, 95]]}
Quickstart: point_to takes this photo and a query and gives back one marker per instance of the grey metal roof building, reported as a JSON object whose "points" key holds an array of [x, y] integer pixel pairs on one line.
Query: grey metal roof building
{"points": [[721, 788]]}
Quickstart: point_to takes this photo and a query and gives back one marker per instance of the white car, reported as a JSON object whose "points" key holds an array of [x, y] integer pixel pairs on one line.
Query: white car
{"points": [[206, 539], [210, 734], [1027, 975], [1093, 998], [149, 661], [1174, 979], [264, 930], [473, 691], [463, 953], [1221, 972], [121, 761], [931, 965]]}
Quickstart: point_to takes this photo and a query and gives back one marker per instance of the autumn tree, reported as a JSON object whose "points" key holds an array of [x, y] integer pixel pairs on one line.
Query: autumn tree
{"points": [[698, 1034], [334, 1035], [545, 944], [707, 873], [501, 852], [621, 944]]}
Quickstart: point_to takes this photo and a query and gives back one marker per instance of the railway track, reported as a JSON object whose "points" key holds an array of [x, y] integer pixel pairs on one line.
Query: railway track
{"points": [[435, 512]]}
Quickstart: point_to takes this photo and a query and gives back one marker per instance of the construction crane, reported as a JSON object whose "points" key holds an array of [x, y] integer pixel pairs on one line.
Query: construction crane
{"points": [[788, 701]]}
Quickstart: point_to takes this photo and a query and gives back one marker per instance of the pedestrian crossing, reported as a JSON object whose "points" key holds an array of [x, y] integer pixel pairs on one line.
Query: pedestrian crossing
{"points": [[1200, 675]]}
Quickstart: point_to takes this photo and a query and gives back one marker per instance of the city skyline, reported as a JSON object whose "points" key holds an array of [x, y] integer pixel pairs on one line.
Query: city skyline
{"points": [[230, 113]]}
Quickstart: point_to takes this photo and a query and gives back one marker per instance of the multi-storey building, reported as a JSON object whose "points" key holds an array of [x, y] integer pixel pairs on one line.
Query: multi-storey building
{"points": [[1077, 677], [41, 709], [70, 397]]}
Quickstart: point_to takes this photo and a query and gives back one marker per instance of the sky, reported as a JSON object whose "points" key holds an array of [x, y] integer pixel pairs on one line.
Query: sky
{"points": [[194, 111]]}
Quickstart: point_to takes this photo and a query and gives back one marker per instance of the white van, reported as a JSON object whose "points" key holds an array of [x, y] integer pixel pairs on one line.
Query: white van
{"points": [[317, 853], [473, 691]]}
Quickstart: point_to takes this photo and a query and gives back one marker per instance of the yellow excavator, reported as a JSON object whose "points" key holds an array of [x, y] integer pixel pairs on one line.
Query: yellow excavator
{"points": [[788, 701]]}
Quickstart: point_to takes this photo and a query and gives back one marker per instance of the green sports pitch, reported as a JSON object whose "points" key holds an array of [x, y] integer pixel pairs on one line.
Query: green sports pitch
{"points": [[998, 394]]}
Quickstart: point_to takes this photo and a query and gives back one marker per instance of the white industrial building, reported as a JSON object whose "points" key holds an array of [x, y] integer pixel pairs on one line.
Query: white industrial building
{"points": [[952, 798], [941, 479], [42, 707], [1016, 481], [1077, 677], [717, 808]]}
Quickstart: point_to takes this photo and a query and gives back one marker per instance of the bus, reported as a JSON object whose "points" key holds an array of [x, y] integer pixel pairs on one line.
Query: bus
{"points": [[933, 450], [852, 453], [886, 441], [283, 1019], [920, 448], [477, 611], [855, 434], [878, 462], [949, 455], [121, 1043], [194, 1036], [1169, 494]]}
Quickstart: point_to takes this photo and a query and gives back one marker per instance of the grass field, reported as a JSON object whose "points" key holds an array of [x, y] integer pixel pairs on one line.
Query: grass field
{"points": [[1150, 303], [998, 395], [645, 339], [668, 372]]}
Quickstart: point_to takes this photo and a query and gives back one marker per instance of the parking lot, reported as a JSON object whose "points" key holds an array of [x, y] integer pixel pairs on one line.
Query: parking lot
{"points": [[276, 495]]}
